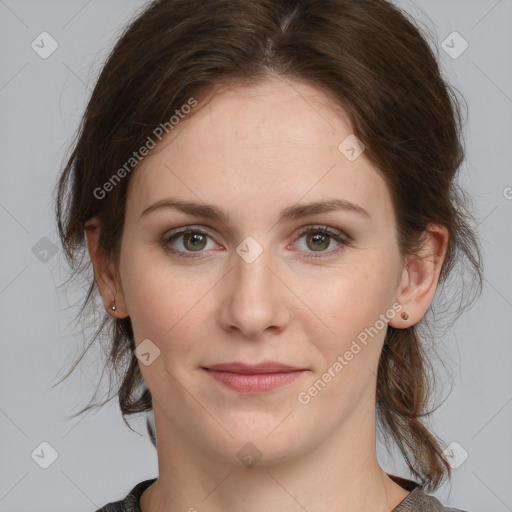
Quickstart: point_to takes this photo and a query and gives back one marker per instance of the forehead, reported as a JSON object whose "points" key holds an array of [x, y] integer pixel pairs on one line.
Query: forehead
{"points": [[273, 142], [272, 113]]}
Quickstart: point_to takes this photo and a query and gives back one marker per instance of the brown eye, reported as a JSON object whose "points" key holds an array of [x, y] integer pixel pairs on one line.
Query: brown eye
{"points": [[192, 241], [318, 239]]}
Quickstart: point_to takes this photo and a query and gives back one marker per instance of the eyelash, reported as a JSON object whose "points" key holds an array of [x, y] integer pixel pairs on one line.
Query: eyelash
{"points": [[344, 240]]}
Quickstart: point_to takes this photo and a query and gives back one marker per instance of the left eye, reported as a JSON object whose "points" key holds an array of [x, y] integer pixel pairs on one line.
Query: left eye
{"points": [[195, 240], [320, 237]]}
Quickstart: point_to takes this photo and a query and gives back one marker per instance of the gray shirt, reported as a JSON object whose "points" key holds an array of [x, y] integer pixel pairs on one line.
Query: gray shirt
{"points": [[416, 501]]}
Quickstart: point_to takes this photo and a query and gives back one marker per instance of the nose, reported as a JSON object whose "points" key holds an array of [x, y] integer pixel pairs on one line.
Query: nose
{"points": [[255, 297]]}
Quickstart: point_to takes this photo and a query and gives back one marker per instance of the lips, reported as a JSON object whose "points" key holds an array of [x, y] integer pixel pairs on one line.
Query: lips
{"points": [[254, 378], [252, 369]]}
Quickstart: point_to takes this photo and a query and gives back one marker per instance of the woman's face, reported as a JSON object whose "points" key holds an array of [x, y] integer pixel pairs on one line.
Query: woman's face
{"points": [[252, 287]]}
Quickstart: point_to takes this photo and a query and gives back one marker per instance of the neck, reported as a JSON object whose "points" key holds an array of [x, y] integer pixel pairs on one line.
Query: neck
{"points": [[341, 473]]}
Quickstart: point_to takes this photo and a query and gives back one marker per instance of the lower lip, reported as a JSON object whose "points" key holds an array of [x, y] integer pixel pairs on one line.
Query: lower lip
{"points": [[254, 383]]}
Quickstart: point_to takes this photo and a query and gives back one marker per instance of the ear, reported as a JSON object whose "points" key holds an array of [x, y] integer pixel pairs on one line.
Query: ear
{"points": [[420, 277], [104, 271]]}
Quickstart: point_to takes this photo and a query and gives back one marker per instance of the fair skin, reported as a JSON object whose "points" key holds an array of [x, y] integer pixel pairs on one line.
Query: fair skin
{"points": [[253, 151]]}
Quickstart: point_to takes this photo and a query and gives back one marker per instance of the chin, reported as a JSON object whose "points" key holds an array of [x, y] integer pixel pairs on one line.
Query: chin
{"points": [[260, 447]]}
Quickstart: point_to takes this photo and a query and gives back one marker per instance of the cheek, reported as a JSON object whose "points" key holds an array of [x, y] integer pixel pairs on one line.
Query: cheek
{"points": [[165, 308], [348, 342], [166, 304], [347, 310], [153, 294]]}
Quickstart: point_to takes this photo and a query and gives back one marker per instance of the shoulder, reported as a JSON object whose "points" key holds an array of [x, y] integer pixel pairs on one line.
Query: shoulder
{"points": [[130, 503], [418, 501]]}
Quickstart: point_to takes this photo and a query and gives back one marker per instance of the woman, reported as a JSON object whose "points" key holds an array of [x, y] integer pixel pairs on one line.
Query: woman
{"points": [[267, 192]]}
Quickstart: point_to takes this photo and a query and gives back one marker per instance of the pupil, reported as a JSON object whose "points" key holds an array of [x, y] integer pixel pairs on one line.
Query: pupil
{"points": [[319, 237], [195, 237]]}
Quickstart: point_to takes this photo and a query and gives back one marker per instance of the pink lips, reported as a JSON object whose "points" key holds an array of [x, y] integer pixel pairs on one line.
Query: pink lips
{"points": [[255, 378]]}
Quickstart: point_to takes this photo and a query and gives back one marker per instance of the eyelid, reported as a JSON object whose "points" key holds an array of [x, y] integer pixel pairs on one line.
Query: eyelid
{"points": [[329, 230], [301, 231], [186, 229]]}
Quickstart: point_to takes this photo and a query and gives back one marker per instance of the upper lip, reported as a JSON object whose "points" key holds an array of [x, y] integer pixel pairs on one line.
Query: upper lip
{"points": [[263, 367]]}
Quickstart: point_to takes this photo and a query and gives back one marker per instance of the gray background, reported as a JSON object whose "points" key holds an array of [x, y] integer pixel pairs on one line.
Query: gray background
{"points": [[99, 459]]}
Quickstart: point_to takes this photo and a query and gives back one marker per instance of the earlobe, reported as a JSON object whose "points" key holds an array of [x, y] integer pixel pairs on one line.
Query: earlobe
{"points": [[420, 277], [104, 271]]}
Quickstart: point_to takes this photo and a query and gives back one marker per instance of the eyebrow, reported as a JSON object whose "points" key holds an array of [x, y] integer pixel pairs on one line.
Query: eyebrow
{"points": [[290, 213]]}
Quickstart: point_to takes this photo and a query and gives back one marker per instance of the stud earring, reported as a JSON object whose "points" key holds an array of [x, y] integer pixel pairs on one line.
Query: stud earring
{"points": [[113, 307], [404, 315]]}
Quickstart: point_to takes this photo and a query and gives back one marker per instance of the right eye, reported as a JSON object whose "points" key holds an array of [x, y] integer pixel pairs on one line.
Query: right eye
{"points": [[192, 240]]}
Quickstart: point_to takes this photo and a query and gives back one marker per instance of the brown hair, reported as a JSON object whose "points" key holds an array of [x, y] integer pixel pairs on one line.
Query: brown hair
{"points": [[367, 55]]}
